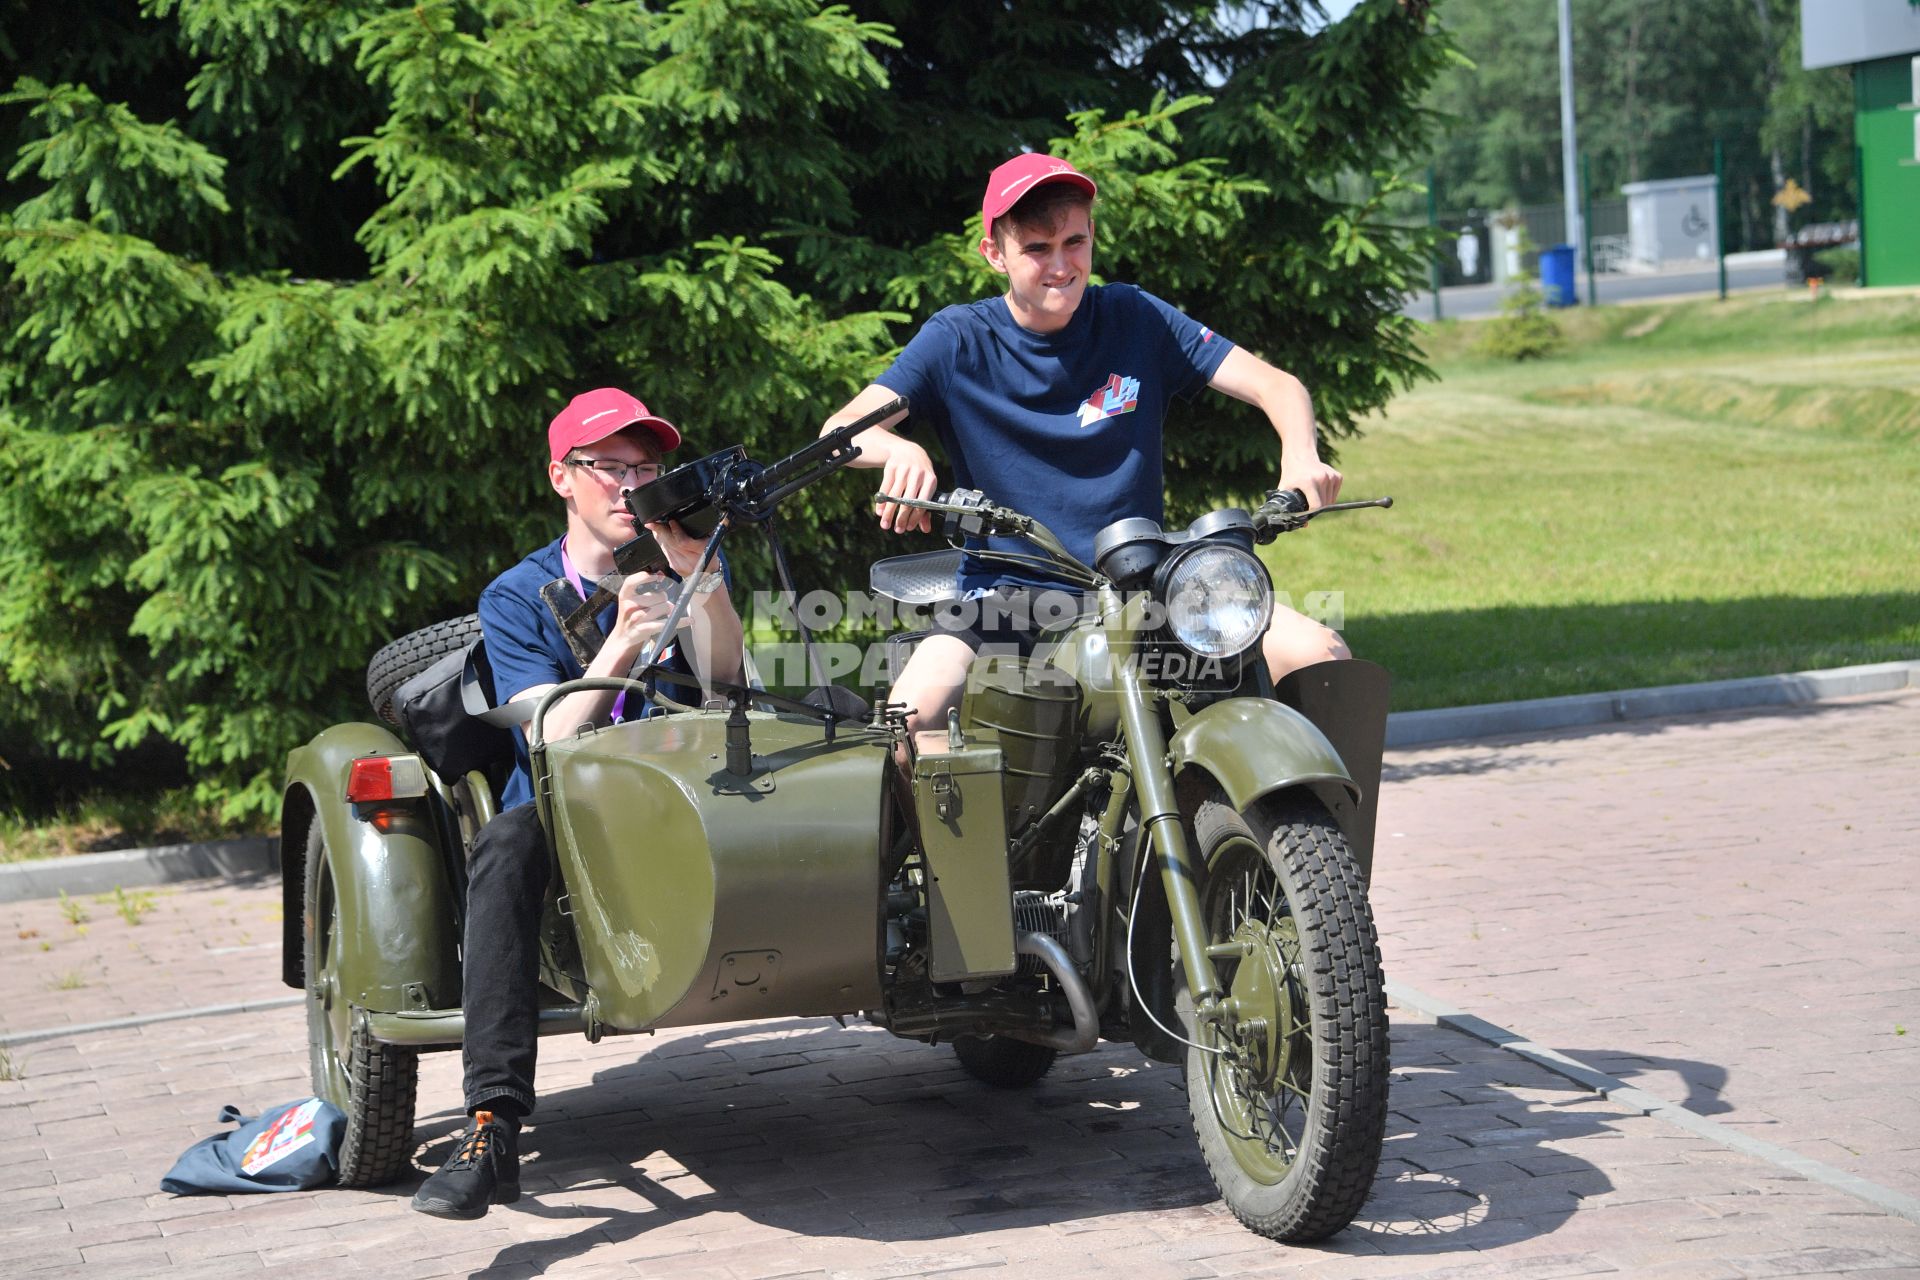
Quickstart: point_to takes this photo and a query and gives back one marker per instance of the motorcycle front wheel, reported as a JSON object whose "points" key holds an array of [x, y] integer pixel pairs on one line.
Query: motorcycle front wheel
{"points": [[1290, 1103]]}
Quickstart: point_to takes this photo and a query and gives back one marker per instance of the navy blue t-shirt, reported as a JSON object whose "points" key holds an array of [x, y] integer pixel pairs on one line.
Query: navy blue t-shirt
{"points": [[526, 648], [1064, 427]]}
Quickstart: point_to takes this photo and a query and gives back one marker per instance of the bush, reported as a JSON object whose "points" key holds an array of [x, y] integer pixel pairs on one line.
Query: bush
{"points": [[1843, 265], [1523, 330]]}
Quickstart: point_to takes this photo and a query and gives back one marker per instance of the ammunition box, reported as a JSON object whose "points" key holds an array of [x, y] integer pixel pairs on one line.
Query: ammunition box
{"points": [[963, 828]]}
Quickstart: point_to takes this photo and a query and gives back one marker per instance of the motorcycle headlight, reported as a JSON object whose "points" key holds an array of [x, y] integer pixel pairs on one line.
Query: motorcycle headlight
{"points": [[1219, 599]]}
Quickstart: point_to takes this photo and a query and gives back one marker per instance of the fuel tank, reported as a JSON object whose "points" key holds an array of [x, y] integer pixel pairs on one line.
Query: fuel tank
{"points": [[700, 895]]}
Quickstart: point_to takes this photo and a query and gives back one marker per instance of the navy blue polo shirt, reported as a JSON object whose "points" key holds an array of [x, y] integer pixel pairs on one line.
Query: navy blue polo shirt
{"points": [[1065, 426], [527, 648]]}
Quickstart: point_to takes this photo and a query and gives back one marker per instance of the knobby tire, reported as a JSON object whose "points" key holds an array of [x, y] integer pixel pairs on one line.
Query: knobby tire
{"points": [[1338, 978]]}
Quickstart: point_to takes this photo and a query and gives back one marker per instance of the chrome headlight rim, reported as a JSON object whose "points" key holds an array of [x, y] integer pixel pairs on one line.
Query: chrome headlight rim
{"points": [[1211, 630]]}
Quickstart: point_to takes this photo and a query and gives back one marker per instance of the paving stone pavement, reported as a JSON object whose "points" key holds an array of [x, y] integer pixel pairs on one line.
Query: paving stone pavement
{"points": [[1718, 909], [1604, 915]]}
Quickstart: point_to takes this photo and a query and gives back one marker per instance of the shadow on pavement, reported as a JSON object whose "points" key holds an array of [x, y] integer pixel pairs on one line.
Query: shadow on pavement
{"points": [[1455, 766], [1706, 1082], [845, 1134]]}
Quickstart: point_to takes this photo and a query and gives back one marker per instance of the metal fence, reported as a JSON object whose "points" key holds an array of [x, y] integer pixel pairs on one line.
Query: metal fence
{"points": [[1477, 249]]}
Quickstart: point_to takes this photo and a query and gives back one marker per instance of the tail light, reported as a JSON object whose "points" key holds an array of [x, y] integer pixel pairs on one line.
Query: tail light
{"points": [[375, 778]]}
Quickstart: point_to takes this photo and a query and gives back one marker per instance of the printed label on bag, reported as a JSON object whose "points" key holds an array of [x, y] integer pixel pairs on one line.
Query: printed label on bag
{"points": [[281, 1139]]}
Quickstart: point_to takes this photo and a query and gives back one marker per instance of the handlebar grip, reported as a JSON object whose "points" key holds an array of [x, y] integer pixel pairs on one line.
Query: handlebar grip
{"points": [[1284, 511], [1292, 501]]}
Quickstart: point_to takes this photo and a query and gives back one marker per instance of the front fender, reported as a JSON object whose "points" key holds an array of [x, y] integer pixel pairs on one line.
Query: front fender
{"points": [[1253, 747], [399, 940]]}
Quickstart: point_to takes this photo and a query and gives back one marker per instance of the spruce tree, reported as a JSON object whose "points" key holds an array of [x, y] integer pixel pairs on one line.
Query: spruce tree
{"points": [[291, 290]]}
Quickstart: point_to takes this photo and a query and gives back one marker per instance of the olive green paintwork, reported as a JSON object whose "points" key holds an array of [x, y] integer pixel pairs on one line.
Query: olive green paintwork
{"points": [[1030, 710], [396, 907], [1253, 747], [1160, 823], [1085, 655], [963, 831], [1090, 653], [702, 897]]}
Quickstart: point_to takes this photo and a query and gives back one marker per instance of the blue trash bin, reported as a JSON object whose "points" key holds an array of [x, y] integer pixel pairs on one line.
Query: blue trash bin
{"points": [[1556, 275]]}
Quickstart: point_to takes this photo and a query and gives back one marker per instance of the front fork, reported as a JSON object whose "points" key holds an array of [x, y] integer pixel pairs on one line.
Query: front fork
{"points": [[1166, 835]]}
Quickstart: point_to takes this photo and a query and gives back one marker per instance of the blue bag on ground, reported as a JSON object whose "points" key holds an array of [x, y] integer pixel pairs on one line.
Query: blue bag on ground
{"points": [[289, 1148]]}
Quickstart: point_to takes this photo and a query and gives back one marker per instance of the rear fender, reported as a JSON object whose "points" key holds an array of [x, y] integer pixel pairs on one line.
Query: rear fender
{"points": [[399, 936]]}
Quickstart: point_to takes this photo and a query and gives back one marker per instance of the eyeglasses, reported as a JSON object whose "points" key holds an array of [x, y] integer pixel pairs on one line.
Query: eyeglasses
{"points": [[635, 473]]}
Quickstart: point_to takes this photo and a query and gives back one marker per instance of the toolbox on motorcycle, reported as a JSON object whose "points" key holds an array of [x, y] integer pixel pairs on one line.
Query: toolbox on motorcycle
{"points": [[969, 892]]}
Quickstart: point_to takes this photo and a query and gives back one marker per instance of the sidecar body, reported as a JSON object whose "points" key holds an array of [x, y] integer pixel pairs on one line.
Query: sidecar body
{"points": [[685, 894], [701, 895]]}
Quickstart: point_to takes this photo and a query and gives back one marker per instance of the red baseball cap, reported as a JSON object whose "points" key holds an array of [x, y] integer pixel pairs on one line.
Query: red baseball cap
{"points": [[597, 414], [1022, 174]]}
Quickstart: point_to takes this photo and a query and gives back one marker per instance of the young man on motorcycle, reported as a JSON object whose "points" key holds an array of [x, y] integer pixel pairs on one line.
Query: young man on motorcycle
{"points": [[602, 446], [1050, 398]]}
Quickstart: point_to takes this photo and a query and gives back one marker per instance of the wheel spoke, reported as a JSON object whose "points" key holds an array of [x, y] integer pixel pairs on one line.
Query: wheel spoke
{"points": [[1292, 1143]]}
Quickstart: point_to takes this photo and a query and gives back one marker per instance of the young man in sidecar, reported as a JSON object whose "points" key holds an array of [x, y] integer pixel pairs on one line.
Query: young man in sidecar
{"points": [[1051, 397], [602, 446]]}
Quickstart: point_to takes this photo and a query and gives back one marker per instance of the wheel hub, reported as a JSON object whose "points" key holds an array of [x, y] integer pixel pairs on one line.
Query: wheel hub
{"points": [[1263, 1001]]}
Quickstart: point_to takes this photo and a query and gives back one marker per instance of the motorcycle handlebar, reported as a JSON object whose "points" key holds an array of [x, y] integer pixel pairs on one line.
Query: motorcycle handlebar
{"points": [[968, 513], [1286, 510]]}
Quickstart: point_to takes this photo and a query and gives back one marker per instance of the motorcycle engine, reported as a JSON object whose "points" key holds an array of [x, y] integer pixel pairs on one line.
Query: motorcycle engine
{"points": [[1042, 913]]}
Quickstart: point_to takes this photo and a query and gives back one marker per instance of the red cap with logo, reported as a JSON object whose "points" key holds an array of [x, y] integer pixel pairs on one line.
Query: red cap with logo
{"points": [[597, 414], [1023, 173]]}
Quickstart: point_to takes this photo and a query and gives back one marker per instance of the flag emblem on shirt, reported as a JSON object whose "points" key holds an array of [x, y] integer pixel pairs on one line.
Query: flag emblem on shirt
{"points": [[1119, 396]]}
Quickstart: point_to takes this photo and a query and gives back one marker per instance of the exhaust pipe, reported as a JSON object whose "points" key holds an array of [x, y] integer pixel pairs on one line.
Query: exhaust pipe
{"points": [[1086, 1027]]}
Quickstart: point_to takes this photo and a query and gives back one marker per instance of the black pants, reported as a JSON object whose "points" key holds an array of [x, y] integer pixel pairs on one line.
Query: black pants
{"points": [[506, 887]]}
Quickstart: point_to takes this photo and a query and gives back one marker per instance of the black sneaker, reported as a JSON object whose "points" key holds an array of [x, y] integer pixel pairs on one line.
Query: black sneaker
{"points": [[483, 1170]]}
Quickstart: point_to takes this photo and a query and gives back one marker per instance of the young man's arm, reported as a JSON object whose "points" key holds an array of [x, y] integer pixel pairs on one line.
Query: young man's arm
{"points": [[717, 640], [640, 616], [1285, 401], [907, 471]]}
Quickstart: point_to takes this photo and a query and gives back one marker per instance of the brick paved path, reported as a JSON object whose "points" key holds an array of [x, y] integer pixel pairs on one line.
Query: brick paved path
{"points": [[802, 1149], [1719, 909]]}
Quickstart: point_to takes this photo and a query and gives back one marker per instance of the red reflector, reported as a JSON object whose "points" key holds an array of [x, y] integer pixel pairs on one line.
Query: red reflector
{"points": [[370, 779]]}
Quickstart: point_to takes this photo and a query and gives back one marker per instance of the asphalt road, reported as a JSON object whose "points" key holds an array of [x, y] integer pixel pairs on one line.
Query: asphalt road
{"points": [[1468, 301]]}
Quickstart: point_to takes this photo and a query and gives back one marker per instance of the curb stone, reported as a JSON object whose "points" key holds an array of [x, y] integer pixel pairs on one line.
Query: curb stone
{"points": [[256, 856], [1491, 719], [246, 858]]}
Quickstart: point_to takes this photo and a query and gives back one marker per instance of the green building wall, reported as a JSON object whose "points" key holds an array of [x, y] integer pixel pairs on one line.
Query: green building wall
{"points": [[1889, 173]]}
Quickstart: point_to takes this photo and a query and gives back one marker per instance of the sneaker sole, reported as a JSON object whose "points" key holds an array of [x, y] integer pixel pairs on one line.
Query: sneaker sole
{"points": [[447, 1209]]}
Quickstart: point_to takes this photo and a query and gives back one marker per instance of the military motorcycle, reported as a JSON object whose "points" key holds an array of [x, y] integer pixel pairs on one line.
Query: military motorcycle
{"points": [[1127, 834]]}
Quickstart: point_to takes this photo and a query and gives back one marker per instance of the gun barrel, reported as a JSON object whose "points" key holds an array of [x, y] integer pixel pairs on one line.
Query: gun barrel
{"points": [[829, 446]]}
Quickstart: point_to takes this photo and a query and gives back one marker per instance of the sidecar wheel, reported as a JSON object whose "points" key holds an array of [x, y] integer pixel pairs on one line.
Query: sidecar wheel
{"points": [[373, 1083], [1003, 1063], [399, 662], [1290, 1117]]}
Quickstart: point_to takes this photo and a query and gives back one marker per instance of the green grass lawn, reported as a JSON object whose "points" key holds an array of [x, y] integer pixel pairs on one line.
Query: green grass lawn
{"points": [[1688, 492]]}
